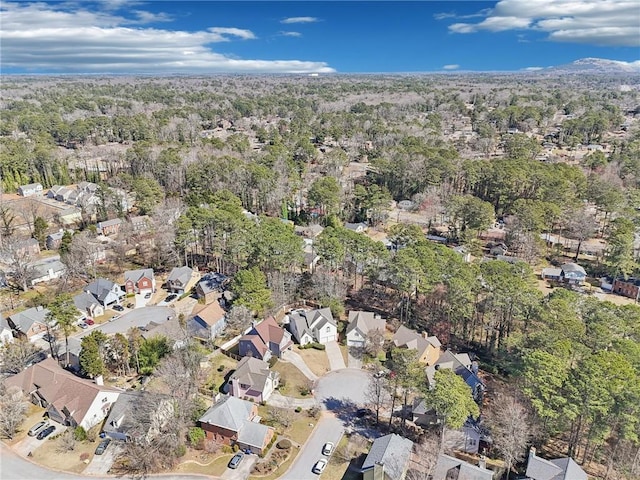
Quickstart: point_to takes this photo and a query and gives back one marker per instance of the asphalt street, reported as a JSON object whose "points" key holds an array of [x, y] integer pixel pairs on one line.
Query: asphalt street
{"points": [[134, 318]]}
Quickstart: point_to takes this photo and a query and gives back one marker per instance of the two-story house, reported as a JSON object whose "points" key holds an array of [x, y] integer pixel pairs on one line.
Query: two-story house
{"points": [[253, 380], [360, 326], [30, 323], [265, 339], [209, 322], [313, 326], [109, 227], [427, 347], [105, 291], [180, 280], [139, 281]]}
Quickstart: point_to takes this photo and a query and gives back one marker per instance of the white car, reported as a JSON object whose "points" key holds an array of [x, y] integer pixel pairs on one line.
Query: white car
{"points": [[319, 467], [327, 449]]}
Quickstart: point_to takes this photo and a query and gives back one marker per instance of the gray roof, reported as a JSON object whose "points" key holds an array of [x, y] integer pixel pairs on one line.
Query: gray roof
{"points": [[229, 413], [212, 282], [392, 451], [23, 320], [551, 272], [84, 301], [252, 371], [135, 275], [365, 321], [413, 340], [573, 267], [460, 363], [101, 287], [108, 223], [124, 405], [42, 267], [253, 434], [30, 186], [3, 323], [466, 471], [56, 235], [310, 319], [559, 469], [182, 274], [355, 226]]}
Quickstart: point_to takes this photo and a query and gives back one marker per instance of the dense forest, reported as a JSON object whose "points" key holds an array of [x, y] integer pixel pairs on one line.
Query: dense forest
{"points": [[234, 156]]}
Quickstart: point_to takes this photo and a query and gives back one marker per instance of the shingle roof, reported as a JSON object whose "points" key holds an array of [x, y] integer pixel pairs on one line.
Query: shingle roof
{"points": [[212, 282], [100, 288], [405, 337], [252, 371], [573, 267], [392, 451], [84, 301], [365, 322], [183, 274], [466, 471], [253, 434], [559, 469], [229, 413], [136, 275], [211, 314], [25, 319]]}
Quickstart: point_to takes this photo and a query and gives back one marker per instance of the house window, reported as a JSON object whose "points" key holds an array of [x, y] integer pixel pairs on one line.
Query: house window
{"points": [[328, 329], [104, 399]]}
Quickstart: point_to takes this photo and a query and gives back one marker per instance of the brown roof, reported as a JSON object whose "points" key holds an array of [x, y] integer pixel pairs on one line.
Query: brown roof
{"points": [[59, 387], [261, 347], [269, 330], [211, 314]]}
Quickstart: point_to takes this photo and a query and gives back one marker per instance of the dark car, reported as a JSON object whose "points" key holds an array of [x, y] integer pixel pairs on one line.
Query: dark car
{"points": [[130, 305], [100, 449], [118, 308], [147, 295], [235, 460], [171, 297], [48, 338], [46, 432], [363, 412]]}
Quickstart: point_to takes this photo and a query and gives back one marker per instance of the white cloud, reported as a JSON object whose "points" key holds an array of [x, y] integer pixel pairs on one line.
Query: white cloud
{"points": [[299, 20], [53, 38], [150, 17], [533, 69], [445, 15], [290, 34], [453, 66], [596, 22]]}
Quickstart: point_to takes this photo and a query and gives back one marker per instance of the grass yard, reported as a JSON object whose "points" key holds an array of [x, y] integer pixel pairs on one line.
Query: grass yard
{"points": [[281, 469], [48, 455], [215, 377], [300, 430], [316, 360], [214, 466], [292, 378]]}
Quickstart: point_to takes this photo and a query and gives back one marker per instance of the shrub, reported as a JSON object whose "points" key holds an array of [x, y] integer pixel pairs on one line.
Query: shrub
{"points": [[227, 449], [236, 447], [284, 444], [318, 346], [84, 456], [80, 434], [220, 368], [314, 412], [196, 436], [181, 450], [298, 409]]}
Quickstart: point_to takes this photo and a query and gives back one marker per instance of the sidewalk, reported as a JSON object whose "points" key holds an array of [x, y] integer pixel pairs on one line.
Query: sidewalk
{"points": [[292, 357], [278, 400]]}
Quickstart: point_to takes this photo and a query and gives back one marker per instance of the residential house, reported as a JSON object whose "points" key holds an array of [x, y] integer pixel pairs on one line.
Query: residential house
{"points": [[308, 326], [232, 421], [68, 399], [573, 274], [451, 468], [47, 269], [211, 286], [466, 439], [629, 287], [30, 189], [53, 191], [558, 469], [29, 247], [360, 324], [388, 458], [209, 322], [88, 187], [309, 231], [6, 335], [427, 347], [88, 305], [63, 194], [252, 380], [180, 280], [265, 339], [109, 227], [54, 240], [70, 216], [356, 227], [462, 365], [168, 328], [105, 291], [139, 281], [118, 422], [551, 273], [140, 223], [30, 323], [437, 239]]}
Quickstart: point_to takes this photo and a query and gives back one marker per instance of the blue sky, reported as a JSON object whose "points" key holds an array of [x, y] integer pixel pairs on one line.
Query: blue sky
{"points": [[130, 36]]}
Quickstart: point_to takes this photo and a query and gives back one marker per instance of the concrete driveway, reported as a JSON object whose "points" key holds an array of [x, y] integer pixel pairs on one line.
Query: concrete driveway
{"points": [[336, 360], [329, 429], [243, 470], [100, 464], [133, 318], [30, 444]]}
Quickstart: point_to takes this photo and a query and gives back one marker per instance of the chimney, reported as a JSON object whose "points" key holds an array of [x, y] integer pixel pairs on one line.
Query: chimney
{"points": [[425, 335], [482, 463], [532, 452], [99, 380]]}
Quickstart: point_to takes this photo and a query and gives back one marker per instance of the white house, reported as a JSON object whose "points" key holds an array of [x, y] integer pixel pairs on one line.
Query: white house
{"points": [[105, 291], [313, 326], [47, 270], [360, 324], [6, 335], [29, 190]]}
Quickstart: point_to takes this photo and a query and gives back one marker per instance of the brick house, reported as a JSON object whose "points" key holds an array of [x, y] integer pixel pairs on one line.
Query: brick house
{"points": [[110, 227], [30, 323], [627, 288], [139, 281]]}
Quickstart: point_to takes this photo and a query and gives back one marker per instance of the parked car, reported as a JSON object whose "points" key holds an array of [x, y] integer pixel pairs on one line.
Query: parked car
{"points": [[100, 449], [46, 432], [37, 428], [363, 412], [170, 298], [130, 305], [235, 460], [147, 295], [89, 321], [48, 338], [118, 308], [319, 467], [327, 449], [83, 325], [115, 317]]}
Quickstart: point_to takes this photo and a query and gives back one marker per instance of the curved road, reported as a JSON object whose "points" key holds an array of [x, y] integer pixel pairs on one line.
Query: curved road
{"points": [[15, 467]]}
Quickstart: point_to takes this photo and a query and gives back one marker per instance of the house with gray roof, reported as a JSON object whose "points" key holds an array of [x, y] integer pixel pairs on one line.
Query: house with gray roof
{"points": [[139, 281], [388, 458], [109, 227], [308, 326], [360, 324], [463, 366], [232, 421], [180, 280], [211, 286], [119, 420], [360, 227], [47, 269], [448, 467], [30, 323], [105, 291], [558, 469], [252, 379], [6, 335], [573, 274], [30, 189], [427, 346], [88, 305]]}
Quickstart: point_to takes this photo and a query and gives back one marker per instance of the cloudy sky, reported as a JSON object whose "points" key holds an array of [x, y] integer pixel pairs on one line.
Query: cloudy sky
{"points": [[130, 36]]}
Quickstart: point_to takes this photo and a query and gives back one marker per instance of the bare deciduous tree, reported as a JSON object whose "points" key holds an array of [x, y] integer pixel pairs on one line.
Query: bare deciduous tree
{"points": [[67, 442], [16, 356], [19, 260], [13, 407], [377, 394], [239, 318]]}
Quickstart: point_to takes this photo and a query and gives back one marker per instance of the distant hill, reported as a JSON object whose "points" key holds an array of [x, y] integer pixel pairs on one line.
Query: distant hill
{"points": [[595, 66]]}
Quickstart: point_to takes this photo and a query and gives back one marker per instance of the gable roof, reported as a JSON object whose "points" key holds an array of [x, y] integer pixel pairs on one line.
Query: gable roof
{"points": [[59, 387], [120, 411], [181, 274], [211, 314], [101, 287], [269, 331], [573, 268], [42, 267], [136, 275], [460, 363], [25, 319], [466, 471], [392, 451], [365, 322], [252, 371], [412, 340], [109, 223], [559, 469], [212, 282], [229, 413], [84, 301], [253, 434]]}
